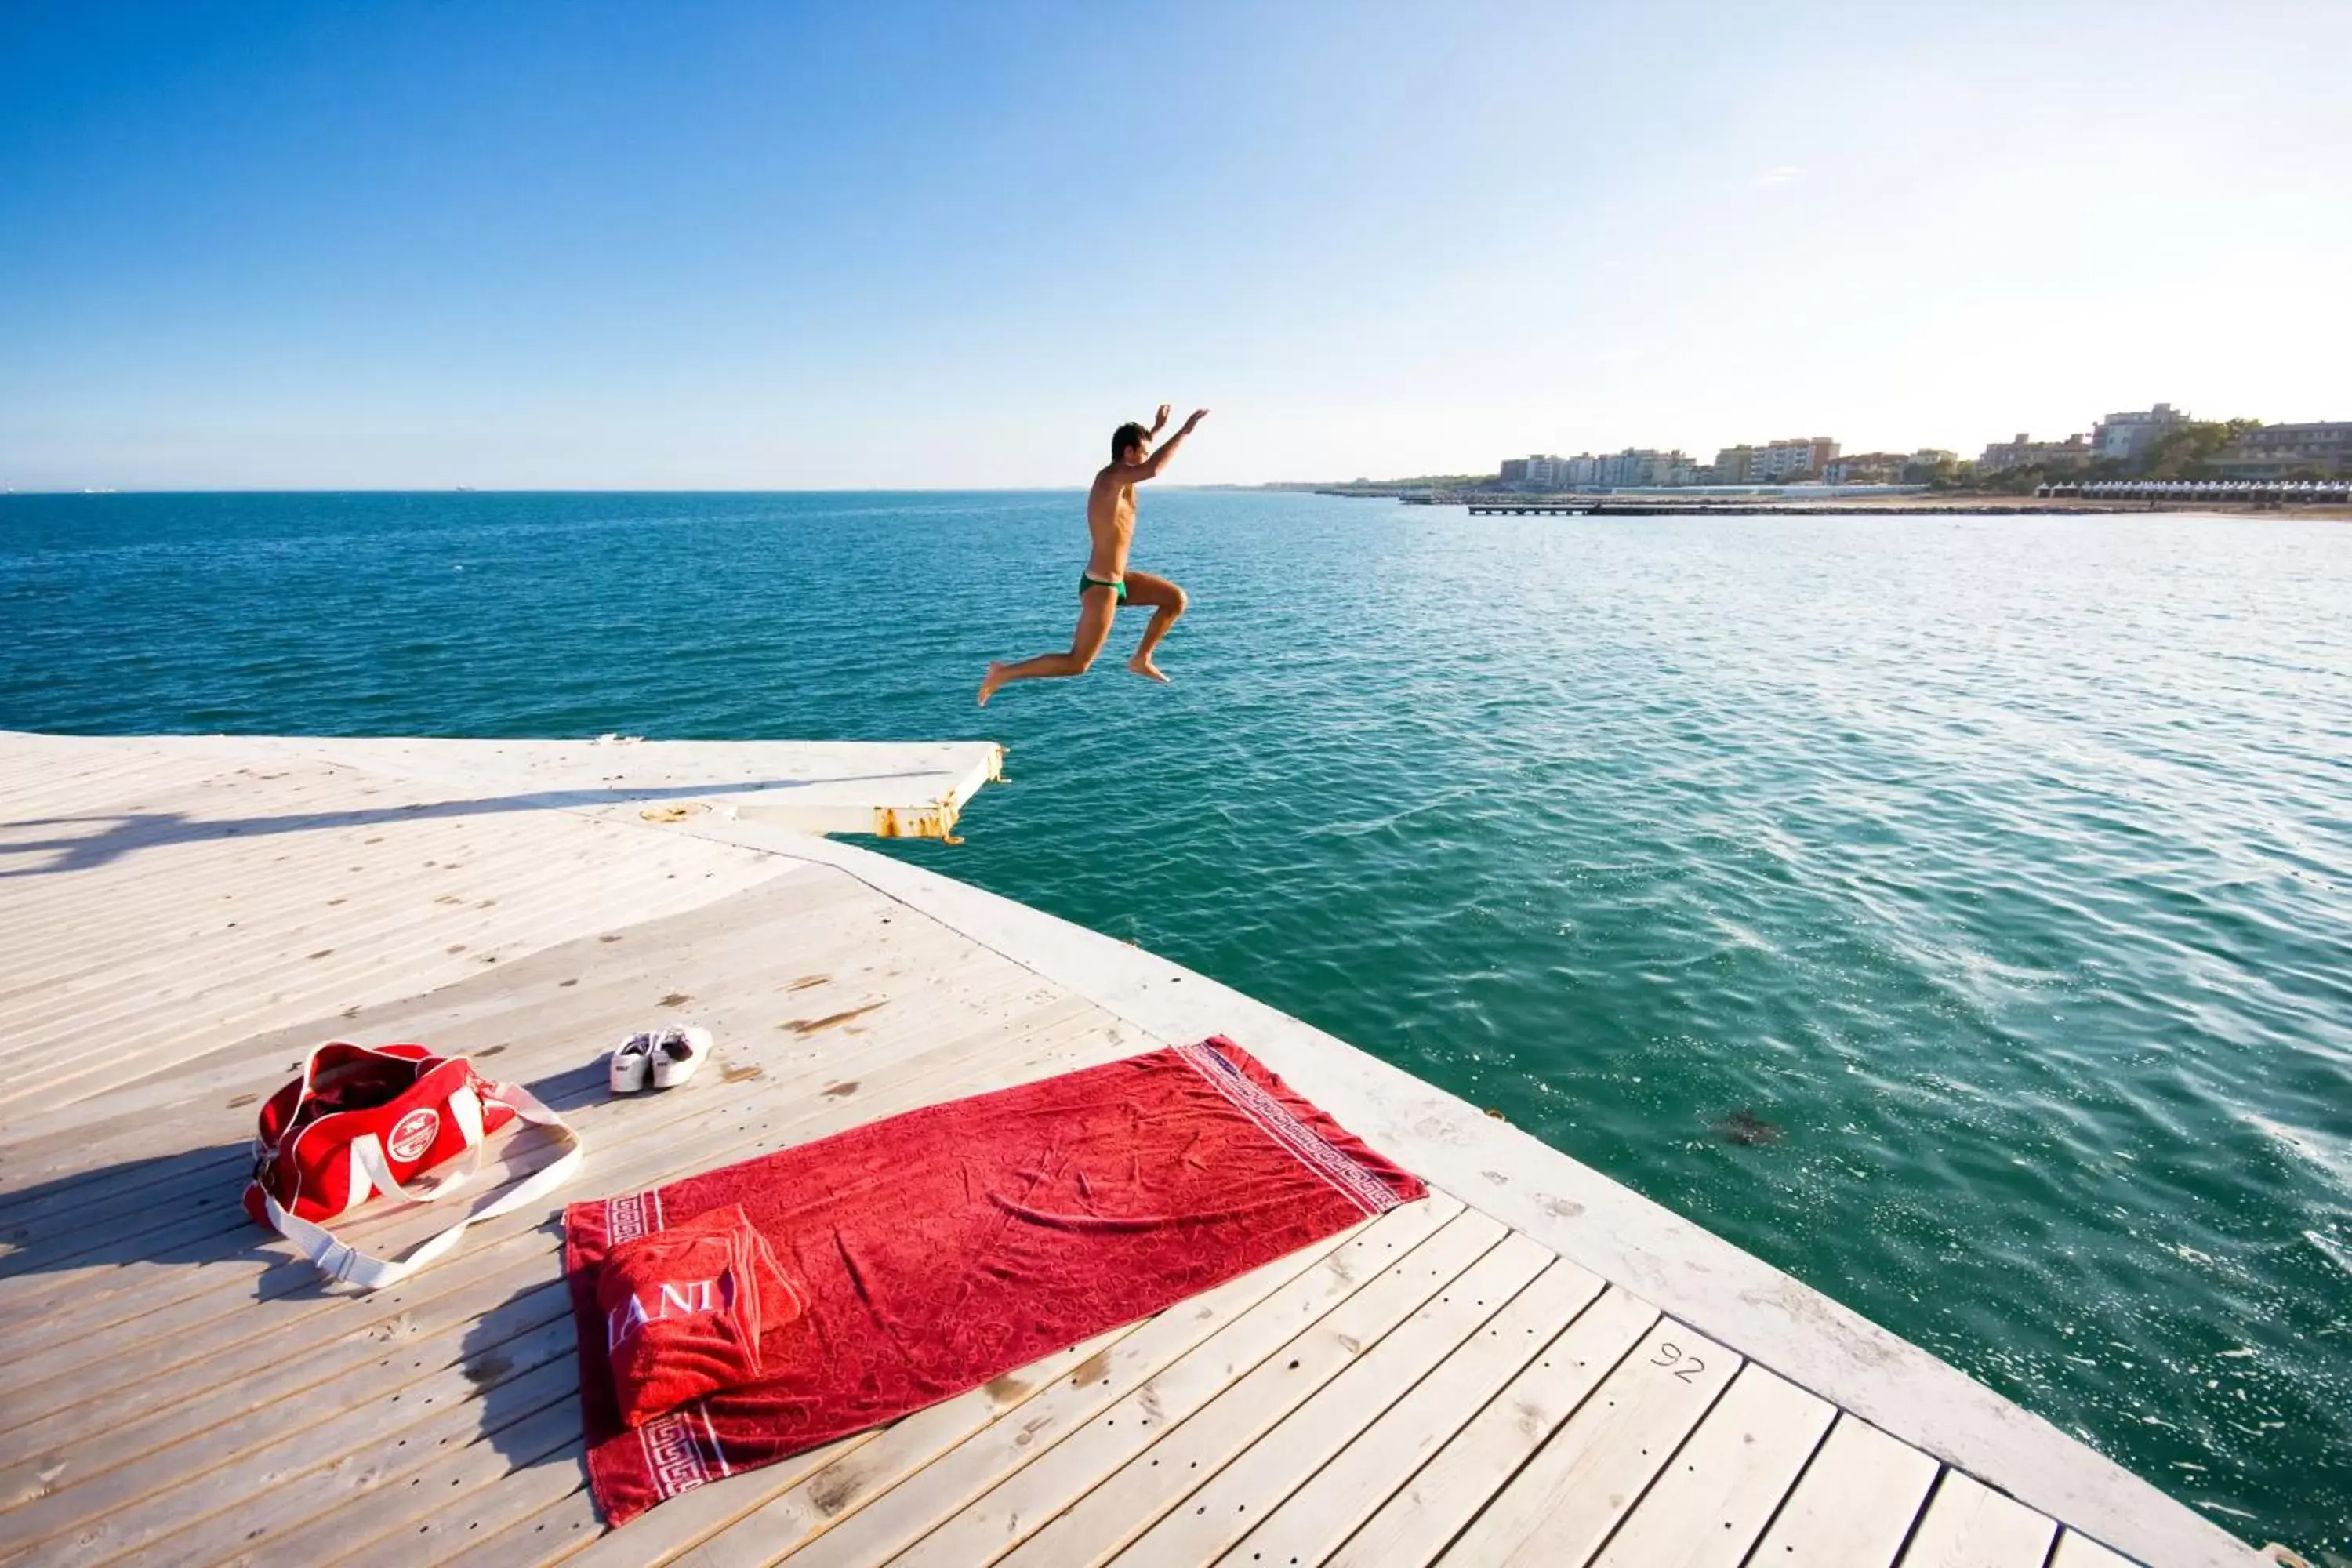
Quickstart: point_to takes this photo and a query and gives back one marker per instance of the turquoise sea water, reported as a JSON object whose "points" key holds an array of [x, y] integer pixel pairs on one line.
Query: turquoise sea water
{"points": [[2004, 866]]}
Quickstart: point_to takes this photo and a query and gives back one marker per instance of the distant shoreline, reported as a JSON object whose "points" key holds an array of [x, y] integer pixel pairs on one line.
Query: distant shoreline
{"points": [[1915, 504]]}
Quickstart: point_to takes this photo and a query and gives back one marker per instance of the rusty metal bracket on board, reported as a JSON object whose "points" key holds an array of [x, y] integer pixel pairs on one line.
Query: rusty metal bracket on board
{"points": [[937, 820]]}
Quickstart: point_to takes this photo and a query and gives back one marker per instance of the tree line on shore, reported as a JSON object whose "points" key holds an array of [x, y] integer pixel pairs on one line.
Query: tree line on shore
{"points": [[2186, 451]]}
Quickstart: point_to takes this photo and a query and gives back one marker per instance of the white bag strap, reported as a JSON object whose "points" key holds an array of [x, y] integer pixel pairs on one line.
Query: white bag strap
{"points": [[371, 1173], [349, 1265]]}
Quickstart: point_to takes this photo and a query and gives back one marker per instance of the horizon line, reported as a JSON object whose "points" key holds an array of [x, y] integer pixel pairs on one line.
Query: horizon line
{"points": [[602, 490]]}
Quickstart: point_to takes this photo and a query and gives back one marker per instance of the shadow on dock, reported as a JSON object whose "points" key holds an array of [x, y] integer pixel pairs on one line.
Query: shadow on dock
{"points": [[127, 832]]}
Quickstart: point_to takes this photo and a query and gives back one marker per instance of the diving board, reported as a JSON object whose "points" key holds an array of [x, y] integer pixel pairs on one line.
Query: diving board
{"points": [[889, 789]]}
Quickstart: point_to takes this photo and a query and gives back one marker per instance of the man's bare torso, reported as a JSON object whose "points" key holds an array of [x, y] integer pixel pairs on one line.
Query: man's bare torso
{"points": [[1110, 524], [1111, 518]]}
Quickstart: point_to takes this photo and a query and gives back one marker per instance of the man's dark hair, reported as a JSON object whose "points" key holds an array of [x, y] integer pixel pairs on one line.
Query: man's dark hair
{"points": [[1128, 434]]}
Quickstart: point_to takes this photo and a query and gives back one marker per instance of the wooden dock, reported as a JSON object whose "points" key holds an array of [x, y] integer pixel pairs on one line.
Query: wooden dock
{"points": [[1533, 1365]]}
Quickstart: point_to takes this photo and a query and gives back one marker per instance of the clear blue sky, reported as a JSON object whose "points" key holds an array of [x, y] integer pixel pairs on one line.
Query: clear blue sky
{"points": [[713, 245]]}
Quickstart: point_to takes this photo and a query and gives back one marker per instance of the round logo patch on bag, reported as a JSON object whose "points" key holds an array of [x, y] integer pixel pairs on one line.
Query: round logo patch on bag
{"points": [[413, 1134]]}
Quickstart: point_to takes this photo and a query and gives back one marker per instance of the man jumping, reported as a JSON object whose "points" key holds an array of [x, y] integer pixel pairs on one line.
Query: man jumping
{"points": [[1107, 584]]}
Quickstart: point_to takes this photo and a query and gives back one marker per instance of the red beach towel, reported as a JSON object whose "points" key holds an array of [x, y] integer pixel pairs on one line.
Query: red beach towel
{"points": [[934, 1251]]}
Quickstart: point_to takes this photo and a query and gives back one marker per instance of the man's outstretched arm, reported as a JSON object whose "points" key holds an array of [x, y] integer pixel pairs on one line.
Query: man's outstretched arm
{"points": [[1150, 468]]}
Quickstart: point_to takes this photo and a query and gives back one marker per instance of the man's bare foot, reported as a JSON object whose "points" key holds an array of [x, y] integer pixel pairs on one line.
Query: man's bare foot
{"points": [[1142, 667], [990, 682]]}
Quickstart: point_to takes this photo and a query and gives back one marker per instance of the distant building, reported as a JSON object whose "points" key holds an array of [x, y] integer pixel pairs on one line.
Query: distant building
{"points": [[2126, 436], [1800, 457], [2274, 451], [1867, 468], [2028, 453], [1635, 466], [1641, 467], [1775, 462], [1539, 472], [1933, 457]]}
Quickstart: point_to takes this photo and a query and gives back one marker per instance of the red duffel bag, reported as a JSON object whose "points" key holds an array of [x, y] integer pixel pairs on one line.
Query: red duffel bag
{"points": [[364, 1119]]}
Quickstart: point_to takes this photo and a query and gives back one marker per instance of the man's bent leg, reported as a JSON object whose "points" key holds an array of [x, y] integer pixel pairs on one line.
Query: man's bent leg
{"points": [[1167, 601], [1096, 607]]}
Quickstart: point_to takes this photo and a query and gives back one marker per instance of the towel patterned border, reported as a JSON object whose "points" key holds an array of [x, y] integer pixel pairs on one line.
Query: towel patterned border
{"points": [[631, 1216], [674, 1449], [1313, 1149]]}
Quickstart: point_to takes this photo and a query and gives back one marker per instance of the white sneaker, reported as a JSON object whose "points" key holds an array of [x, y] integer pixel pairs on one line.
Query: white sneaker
{"points": [[631, 1064], [676, 1054]]}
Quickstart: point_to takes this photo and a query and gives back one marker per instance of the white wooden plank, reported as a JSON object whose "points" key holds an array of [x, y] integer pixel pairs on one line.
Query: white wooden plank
{"points": [[1311, 1523], [2075, 1550], [732, 1129], [213, 878], [287, 986], [1416, 1523], [382, 1527], [1853, 1506], [293, 1472], [559, 1526], [73, 1300], [1058, 1405], [67, 945], [1190, 1453], [656, 868], [50, 787], [600, 1123], [785, 1520], [780, 923], [210, 883], [1559, 1507], [1970, 1525], [1007, 1513], [1247, 1488], [727, 994], [245, 992], [1236, 1313], [781, 1113], [545, 1514], [273, 960], [948, 1058], [1713, 1500], [890, 1522], [336, 1506], [479, 1291], [522, 1022], [827, 1495], [222, 1442]]}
